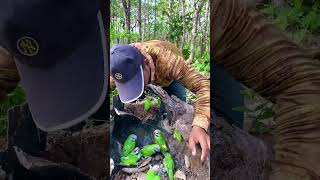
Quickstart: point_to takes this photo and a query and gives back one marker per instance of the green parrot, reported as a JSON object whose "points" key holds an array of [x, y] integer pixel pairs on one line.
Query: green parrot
{"points": [[132, 158], [168, 164], [177, 135], [160, 140], [147, 104], [152, 173], [129, 144], [150, 150], [156, 177]]}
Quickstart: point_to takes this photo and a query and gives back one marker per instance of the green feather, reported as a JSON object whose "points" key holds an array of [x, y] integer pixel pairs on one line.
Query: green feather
{"points": [[168, 164], [129, 144], [177, 135], [147, 104], [132, 158], [150, 150], [160, 140]]}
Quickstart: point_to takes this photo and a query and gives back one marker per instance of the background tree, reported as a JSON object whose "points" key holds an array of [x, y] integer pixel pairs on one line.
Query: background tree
{"points": [[195, 21], [170, 20]]}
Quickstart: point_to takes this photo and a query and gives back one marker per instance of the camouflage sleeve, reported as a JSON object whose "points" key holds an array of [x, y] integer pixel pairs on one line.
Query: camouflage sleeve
{"points": [[112, 84], [177, 69], [9, 77], [257, 53]]}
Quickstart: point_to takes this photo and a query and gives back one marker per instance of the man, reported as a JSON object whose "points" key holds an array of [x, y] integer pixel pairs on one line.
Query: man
{"points": [[134, 66]]}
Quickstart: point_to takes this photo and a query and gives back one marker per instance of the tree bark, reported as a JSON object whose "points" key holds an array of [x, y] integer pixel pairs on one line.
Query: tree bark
{"points": [[170, 8], [205, 28], [236, 154], [194, 31], [127, 11], [155, 19], [183, 24], [139, 20]]}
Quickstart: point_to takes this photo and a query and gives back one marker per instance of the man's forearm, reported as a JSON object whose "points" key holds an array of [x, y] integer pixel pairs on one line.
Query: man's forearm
{"points": [[251, 48]]}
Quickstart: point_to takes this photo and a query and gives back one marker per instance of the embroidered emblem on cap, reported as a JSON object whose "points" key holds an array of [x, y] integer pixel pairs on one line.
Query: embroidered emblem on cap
{"points": [[118, 76], [27, 46]]}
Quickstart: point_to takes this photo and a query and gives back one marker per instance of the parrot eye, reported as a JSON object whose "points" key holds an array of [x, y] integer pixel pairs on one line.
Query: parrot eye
{"points": [[157, 149], [136, 151]]}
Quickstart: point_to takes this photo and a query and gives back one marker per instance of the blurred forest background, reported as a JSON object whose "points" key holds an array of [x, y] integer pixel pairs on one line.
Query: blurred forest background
{"points": [[300, 20], [182, 22]]}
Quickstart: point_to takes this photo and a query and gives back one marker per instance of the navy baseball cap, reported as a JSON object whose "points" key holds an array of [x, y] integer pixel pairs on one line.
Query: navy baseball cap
{"points": [[126, 68], [61, 54]]}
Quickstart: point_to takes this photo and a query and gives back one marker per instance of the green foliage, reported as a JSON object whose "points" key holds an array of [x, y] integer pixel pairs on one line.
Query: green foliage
{"points": [[260, 115], [161, 22], [202, 63], [113, 93], [295, 18], [177, 135], [15, 98]]}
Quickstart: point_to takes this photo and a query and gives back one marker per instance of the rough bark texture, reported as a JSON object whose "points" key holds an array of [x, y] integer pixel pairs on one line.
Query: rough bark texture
{"points": [[204, 39], [194, 30], [183, 24], [127, 11], [235, 153], [139, 20], [258, 54], [27, 157], [179, 115]]}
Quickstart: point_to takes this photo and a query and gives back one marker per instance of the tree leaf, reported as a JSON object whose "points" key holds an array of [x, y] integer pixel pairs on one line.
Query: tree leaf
{"points": [[241, 109], [268, 113]]}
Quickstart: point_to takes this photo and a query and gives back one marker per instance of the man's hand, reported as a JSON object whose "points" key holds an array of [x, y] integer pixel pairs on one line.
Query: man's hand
{"points": [[199, 135]]}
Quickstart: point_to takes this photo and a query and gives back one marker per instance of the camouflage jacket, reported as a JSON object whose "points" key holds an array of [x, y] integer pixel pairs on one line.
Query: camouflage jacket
{"points": [[260, 55], [167, 64]]}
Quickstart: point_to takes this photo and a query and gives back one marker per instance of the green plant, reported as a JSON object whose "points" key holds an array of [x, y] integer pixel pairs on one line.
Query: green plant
{"points": [[295, 18], [15, 98], [260, 115]]}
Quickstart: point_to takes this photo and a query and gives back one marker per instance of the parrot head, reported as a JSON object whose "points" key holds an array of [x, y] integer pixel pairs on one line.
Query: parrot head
{"points": [[157, 133], [133, 137], [136, 150]]}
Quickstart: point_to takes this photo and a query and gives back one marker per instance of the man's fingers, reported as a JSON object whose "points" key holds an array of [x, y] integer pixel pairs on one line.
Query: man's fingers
{"points": [[192, 145], [204, 148]]}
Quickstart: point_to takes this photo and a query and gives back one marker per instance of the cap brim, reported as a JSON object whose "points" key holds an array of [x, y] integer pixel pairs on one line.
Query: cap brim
{"points": [[72, 90], [132, 89]]}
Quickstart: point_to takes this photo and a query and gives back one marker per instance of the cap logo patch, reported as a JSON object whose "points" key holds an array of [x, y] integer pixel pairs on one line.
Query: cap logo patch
{"points": [[27, 46], [118, 76]]}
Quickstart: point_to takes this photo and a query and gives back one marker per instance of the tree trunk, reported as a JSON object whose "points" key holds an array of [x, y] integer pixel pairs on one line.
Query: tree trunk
{"points": [[205, 28], [183, 24], [195, 21], [127, 11], [155, 19], [139, 20], [170, 8], [236, 154]]}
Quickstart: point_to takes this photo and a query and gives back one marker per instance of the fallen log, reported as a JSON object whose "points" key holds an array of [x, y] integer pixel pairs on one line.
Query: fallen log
{"points": [[235, 153]]}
